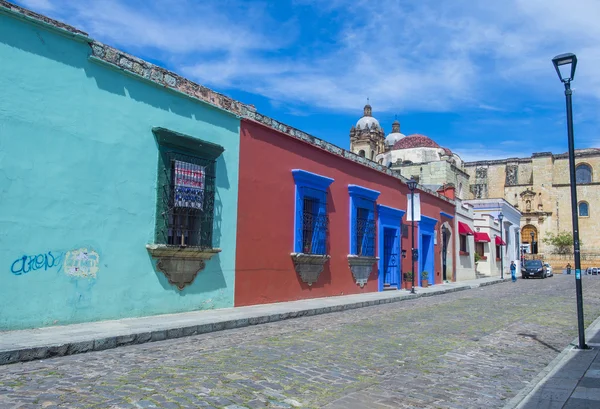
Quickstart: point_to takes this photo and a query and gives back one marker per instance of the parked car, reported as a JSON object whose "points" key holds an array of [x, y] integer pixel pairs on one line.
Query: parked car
{"points": [[595, 271], [549, 272], [533, 268]]}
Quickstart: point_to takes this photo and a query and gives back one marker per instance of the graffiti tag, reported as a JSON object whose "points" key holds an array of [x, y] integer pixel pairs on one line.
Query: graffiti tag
{"points": [[26, 264], [75, 263]]}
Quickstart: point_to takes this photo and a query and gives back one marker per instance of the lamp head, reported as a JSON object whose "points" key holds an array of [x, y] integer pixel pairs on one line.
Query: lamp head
{"points": [[412, 184], [565, 65], [500, 216]]}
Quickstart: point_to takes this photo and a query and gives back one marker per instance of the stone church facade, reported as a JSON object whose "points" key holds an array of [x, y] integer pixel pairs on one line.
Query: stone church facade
{"points": [[539, 187]]}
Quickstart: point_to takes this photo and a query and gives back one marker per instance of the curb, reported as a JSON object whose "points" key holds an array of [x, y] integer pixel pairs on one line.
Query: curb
{"points": [[539, 379], [103, 343]]}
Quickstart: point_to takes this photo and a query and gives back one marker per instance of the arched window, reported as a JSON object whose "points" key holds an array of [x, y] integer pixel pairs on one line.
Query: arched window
{"points": [[583, 173], [361, 153], [584, 209]]}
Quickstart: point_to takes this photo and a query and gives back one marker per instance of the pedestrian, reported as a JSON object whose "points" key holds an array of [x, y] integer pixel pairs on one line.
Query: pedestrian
{"points": [[513, 271]]}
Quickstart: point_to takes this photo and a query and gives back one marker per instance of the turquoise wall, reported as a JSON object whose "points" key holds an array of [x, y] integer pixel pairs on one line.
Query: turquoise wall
{"points": [[78, 174]]}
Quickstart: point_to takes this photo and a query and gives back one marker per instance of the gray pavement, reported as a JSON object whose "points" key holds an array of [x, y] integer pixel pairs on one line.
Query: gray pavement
{"points": [[463, 349], [570, 381], [27, 345]]}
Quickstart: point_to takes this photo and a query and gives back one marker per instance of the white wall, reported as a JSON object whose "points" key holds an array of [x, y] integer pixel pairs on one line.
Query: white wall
{"points": [[465, 264]]}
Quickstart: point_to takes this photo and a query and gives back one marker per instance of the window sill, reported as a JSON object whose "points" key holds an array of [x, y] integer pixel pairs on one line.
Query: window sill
{"points": [[497, 258], [309, 266], [483, 258], [179, 264], [165, 250], [464, 253], [361, 267]]}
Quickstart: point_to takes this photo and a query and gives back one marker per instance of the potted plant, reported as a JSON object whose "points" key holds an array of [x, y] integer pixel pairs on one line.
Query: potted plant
{"points": [[424, 279], [408, 277]]}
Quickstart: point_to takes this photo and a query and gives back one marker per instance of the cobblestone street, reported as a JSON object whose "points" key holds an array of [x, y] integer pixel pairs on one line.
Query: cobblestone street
{"points": [[469, 349]]}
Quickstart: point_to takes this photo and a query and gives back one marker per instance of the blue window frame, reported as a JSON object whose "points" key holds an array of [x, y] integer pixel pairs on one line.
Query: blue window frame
{"points": [[310, 216], [362, 220]]}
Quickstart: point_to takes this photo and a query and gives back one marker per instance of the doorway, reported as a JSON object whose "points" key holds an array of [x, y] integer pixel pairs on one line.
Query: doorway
{"points": [[391, 264], [426, 257]]}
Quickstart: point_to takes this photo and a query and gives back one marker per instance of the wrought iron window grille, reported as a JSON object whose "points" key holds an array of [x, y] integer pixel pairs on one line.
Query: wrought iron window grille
{"points": [[186, 202], [315, 224], [365, 233]]}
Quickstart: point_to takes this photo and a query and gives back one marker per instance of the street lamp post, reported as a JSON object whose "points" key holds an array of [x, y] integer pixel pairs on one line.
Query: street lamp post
{"points": [[412, 185], [500, 217], [445, 234], [565, 65], [531, 248]]}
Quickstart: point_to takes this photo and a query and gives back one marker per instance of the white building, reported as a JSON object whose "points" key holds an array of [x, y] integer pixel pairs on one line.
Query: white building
{"points": [[464, 244], [511, 226]]}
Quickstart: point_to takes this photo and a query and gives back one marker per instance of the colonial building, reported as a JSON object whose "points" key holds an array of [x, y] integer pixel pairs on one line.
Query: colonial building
{"points": [[414, 155], [318, 221], [506, 231], [539, 187], [159, 201]]}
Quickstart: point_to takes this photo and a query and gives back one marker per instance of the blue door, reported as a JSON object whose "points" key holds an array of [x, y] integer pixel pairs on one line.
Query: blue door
{"points": [[391, 265], [426, 257]]}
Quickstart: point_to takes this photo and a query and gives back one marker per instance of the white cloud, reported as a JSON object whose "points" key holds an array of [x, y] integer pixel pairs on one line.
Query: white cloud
{"points": [[404, 55], [38, 5]]}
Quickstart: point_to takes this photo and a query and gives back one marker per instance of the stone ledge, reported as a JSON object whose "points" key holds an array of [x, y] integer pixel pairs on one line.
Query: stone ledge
{"points": [[309, 266], [361, 267], [180, 265], [163, 250]]}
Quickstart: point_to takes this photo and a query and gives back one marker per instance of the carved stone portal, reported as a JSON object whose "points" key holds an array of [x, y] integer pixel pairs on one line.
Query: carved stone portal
{"points": [[309, 266], [180, 265], [361, 268]]}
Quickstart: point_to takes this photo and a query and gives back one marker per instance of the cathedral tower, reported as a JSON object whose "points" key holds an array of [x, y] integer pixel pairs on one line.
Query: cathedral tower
{"points": [[367, 137]]}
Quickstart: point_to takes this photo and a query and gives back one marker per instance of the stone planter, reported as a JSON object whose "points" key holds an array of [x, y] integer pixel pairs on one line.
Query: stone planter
{"points": [[361, 267], [180, 265], [309, 266]]}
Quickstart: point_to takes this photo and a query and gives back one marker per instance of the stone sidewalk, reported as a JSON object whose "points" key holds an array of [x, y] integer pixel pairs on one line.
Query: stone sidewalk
{"points": [[570, 381], [41, 343]]}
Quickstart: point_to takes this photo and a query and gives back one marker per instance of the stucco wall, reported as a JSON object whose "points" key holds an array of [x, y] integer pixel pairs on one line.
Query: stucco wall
{"points": [[485, 223], [465, 264], [78, 186], [264, 269]]}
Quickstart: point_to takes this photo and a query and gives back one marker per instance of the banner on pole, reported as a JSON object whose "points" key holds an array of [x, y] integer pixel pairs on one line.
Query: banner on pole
{"points": [[417, 208]]}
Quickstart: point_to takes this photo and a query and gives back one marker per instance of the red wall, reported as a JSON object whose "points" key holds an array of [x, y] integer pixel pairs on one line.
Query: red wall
{"points": [[265, 230]]}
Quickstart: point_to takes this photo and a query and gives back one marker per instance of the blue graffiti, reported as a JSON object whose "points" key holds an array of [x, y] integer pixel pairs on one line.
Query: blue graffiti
{"points": [[26, 264]]}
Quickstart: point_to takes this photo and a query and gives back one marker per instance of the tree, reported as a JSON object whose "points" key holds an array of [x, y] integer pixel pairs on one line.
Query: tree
{"points": [[562, 242]]}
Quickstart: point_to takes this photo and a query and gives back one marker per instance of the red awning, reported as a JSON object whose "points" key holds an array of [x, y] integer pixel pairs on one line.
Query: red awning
{"points": [[500, 242], [482, 238], [464, 229]]}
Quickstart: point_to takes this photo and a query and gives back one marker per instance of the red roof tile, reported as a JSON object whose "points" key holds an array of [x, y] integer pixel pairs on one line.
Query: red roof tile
{"points": [[415, 141]]}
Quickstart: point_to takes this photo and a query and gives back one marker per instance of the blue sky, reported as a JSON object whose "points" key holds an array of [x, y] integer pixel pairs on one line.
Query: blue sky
{"points": [[473, 76]]}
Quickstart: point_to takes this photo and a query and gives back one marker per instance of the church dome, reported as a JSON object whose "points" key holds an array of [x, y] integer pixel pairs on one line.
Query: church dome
{"points": [[367, 119], [395, 135], [415, 141]]}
